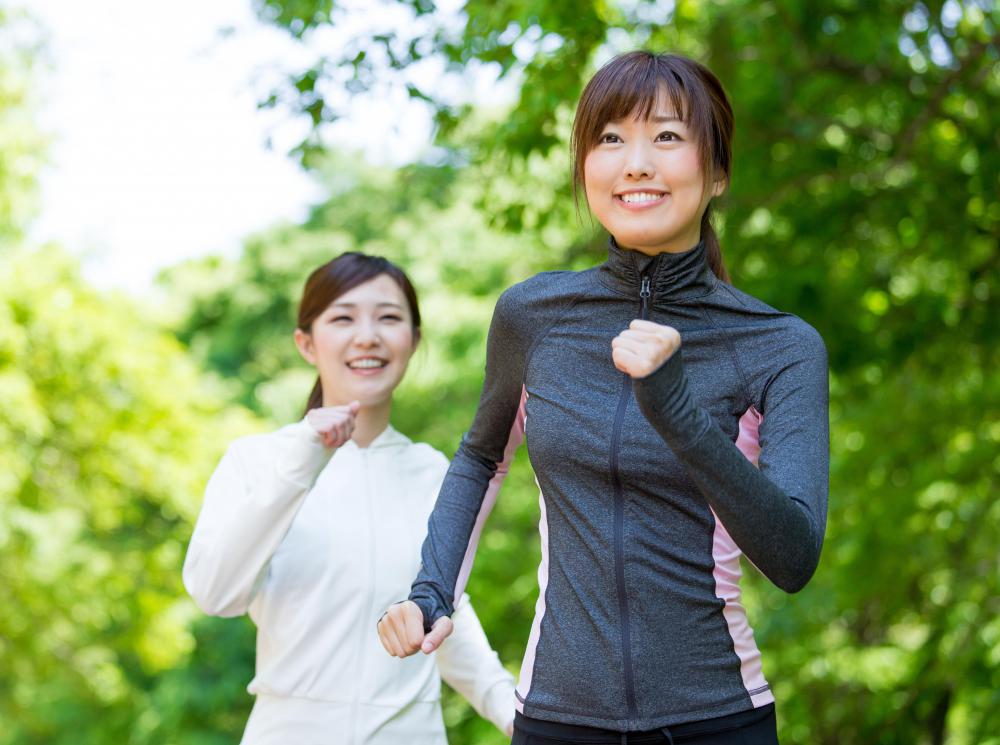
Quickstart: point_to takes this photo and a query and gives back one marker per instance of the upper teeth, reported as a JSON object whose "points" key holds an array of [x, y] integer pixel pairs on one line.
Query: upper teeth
{"points": [[640, 196], [368, 362]]}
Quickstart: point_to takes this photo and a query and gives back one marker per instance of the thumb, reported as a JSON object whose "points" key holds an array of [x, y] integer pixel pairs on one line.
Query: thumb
{"points": [[354, 407], [440, 631]]}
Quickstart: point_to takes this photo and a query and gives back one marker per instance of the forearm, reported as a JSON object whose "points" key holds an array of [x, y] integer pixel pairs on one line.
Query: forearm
{"points": [[779, 532], [463, 502]]}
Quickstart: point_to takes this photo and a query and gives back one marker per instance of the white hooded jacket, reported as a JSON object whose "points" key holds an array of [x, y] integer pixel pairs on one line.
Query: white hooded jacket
{"points": [[315, 548]]}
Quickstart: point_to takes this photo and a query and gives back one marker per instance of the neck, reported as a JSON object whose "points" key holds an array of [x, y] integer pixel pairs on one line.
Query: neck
{"points": [[370, 423], [679, 246]]}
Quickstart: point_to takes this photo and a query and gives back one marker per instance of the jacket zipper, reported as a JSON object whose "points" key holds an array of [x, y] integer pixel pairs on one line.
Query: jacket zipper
{"points": [[369, 496], [644, 295]]}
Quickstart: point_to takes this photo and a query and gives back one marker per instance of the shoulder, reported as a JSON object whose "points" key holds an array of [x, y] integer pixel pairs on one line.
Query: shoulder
{"points": [[807, 338], [264, 444], [727, 295], [420, 468], [263, 449], [419, 456], [428, 455], [538, 290], [531, 303], [740, 309]]}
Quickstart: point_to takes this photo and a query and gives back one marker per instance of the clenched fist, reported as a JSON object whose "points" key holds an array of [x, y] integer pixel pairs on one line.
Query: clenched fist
{"points": [[401, 630], [640, 349], [335, 424]]}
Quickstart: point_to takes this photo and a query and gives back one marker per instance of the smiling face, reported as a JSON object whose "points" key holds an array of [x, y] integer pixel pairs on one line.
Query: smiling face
{"points": [[361, 344], [644, 182]]}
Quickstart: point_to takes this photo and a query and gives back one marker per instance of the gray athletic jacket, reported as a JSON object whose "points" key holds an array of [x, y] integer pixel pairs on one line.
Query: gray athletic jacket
{"points": [[650, 489]]}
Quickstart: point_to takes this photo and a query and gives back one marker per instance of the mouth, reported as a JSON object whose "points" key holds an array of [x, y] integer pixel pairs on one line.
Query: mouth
{"points": [[640, 199], [367, 363]]}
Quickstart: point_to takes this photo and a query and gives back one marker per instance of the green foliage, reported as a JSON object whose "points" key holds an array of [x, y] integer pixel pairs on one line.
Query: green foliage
{"points": [[107, 434]]}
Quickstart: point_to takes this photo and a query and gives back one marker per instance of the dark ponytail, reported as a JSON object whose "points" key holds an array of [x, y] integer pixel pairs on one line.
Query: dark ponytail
{"points": [[331, 280], [713, 250], [315, 397]]}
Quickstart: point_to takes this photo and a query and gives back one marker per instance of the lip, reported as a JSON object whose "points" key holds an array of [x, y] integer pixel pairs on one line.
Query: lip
{"points": [[638, 206]]}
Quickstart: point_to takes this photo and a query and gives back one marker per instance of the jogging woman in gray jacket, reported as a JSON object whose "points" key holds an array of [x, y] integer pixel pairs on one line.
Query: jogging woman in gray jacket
{"points": [[674, 424]]}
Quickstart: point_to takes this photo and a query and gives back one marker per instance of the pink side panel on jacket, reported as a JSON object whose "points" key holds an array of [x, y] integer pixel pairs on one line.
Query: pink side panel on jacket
{"points": [[528, 663], [727, 573], [513, 442]]}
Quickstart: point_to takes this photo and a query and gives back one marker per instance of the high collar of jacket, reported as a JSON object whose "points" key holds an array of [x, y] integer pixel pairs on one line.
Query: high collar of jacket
{"points": [[674, 276], [389, 437]]}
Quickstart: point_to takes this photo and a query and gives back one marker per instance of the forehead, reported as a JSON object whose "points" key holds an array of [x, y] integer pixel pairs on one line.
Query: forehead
{"points": [[378, 291]]}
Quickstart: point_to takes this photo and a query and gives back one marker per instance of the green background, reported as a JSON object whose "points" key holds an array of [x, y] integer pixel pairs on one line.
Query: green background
{"points": [[865, 198]]}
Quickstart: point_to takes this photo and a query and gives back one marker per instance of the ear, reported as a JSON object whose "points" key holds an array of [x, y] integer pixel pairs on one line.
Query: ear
{"points": [[720, 185], [307, 349]]}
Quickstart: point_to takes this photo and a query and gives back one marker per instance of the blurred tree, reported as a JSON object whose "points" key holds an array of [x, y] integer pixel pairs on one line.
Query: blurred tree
{"points": [[865, 199], [107, 434]]}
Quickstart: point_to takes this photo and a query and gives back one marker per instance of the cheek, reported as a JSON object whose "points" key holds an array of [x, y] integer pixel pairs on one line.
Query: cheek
{"points": [[596, 173], [329, 347], [402, 342], [327, 342], [686, 168]]}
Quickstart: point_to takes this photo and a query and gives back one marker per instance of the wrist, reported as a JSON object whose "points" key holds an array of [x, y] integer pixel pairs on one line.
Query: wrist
{"points": [[303, 454], [665, 379]]}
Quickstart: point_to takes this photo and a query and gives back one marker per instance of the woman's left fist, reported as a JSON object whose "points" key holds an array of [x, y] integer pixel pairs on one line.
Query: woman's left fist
{"points": [[640, 349]]}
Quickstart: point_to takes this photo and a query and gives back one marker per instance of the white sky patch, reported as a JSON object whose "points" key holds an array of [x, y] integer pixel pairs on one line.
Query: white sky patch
{"points": [[158, 150]]}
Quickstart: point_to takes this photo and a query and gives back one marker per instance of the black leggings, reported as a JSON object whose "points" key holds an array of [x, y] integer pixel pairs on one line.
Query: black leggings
{"points": [[753, 727]]}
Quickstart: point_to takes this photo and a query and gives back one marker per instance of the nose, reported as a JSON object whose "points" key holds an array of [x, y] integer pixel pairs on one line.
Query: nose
{"points": [[638, 163], [366, 334]]}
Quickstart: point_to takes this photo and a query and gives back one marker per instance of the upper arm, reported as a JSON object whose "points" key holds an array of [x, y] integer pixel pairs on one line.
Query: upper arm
{"points": [[225, 490], [794, 431], [507, 345]]}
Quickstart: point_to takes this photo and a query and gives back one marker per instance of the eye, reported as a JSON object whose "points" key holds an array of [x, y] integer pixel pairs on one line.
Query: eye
{"points": [[668, 137], [340, 319], [391, 318], [608, 138]]}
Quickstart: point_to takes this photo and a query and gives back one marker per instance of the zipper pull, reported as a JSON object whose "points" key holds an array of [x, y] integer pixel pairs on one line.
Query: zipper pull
{"points": [[644, 294]]}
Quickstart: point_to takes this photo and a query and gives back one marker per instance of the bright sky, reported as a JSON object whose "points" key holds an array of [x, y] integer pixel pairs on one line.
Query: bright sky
{"points": [[158, 149]]}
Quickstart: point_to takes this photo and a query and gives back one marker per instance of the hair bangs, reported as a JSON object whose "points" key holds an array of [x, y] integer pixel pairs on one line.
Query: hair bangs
{"points": [[634, 89]]}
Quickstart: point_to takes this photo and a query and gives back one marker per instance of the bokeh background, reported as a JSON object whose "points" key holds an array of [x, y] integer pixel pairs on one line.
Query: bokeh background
{"points": [[865, 198]]}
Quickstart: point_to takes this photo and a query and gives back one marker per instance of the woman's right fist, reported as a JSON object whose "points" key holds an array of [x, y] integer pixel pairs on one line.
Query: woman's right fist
{"points": [[401, 630], [334, 424]]}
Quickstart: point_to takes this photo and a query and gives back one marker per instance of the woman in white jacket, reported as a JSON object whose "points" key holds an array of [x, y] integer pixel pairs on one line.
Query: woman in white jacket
{"points": [[315, 528]]}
